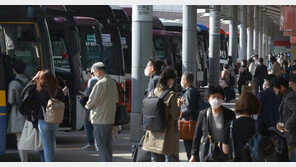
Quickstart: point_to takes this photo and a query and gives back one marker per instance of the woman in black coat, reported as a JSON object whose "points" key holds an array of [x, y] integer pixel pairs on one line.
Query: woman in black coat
{"points": [[211, 121]]}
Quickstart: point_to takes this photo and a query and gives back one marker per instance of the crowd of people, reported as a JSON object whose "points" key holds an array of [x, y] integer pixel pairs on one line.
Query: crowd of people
{"points": [[265, 110]]}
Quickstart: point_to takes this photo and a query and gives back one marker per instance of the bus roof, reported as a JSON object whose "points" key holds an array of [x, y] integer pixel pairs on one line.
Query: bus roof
{"points": [[87, 21], [202, 27], [157, 24], [176, 23], [119, 13]]}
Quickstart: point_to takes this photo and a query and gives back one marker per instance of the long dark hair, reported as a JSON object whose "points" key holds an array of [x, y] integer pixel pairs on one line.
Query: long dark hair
{"points": [[47, 81], [167, 74]]}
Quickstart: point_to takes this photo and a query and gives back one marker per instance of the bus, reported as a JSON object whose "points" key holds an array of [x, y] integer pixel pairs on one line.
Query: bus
{"points": [[112, 54], [66, 50], [24, 34], [124, 25], [174, 28]]}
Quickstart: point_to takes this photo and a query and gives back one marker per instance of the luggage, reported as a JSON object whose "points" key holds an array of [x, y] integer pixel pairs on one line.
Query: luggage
{"points": [[54, 112], [186, 128], [140, 155]]}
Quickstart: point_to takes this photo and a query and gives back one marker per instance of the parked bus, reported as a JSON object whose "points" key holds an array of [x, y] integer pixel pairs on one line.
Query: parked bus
{"points": [[24, 35], [66, 55], [112, 56], [124, 25]]}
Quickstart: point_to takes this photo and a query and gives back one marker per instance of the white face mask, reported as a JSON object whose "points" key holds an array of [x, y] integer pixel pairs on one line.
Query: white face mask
{"points": [[182, 84], [216, 103], [146, 72], [264, 85]]}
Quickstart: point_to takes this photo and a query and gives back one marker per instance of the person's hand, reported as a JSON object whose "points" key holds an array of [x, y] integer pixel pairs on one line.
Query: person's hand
{"points": [[86, 107], [82, 93], [286, 130], [180, 101], [192, 159]]}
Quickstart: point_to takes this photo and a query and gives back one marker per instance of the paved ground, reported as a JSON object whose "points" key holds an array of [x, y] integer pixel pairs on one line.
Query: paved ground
{"points": [[69, 148]]}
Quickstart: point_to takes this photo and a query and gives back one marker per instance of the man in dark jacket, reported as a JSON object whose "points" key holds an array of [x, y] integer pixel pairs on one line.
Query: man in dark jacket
{"points": [[153, 70], [189, 109], [287, 110], [260, 73], [270, 104]]}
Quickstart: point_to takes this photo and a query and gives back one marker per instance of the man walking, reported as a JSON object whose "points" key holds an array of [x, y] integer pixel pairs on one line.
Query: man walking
{"points": [[153, 70], [102, 103]]}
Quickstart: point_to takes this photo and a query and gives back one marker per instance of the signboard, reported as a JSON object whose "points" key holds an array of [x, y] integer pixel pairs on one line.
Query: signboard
{"points": [[123, 40], [142, 13], [106, 37], [91, 37]]}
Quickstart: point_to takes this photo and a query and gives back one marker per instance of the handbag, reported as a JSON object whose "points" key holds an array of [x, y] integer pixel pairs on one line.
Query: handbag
{"points": [[30, 138], [214, 152], [140, 155], [186, 128], [121, 117]]}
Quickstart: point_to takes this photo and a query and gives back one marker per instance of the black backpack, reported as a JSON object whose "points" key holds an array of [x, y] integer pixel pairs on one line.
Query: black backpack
{"points": [[260, 148], [154, 116], [19, 93]]}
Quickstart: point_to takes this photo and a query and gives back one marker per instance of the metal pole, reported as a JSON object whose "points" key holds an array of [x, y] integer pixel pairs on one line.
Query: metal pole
{"points": [[256, 29], [233, 39], [214, 45], [260, 33], [250, 32], [243, 34], [189, 44], [141, 52]]}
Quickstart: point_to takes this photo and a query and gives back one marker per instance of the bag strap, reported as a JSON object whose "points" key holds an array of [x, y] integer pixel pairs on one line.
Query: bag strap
{"points": [[163, 94], [257, 127], [19, 81], [231, 138], [208, 119], [118, 91]]}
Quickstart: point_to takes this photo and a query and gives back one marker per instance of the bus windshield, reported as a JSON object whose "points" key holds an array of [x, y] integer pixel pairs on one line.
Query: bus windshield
{"points": [[19, 41], [90, 49], [112, 56], [159, 46]]}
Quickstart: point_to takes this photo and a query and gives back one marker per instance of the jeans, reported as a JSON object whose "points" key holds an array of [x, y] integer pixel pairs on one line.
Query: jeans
{"points": [[48, 135], [88, 128], [188, 146], [103, 140], [41, 155]]}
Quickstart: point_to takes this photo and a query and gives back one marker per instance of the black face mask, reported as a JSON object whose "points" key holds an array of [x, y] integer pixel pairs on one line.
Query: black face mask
{"points": [[280, 95]]}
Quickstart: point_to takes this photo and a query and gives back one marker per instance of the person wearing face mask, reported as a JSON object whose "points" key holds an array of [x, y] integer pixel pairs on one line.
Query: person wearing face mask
{"points": [[269, 113], [153, 70], [189, 109], [210, 121], [287, 121], [276, 67], [166, 141]]}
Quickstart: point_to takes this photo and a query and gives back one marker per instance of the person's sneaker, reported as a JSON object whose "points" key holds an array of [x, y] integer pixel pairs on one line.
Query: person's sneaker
{"points": [[88, 146]]}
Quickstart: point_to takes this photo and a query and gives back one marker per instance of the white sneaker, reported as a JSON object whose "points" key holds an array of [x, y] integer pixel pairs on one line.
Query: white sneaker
{"points": [[88, 146]]}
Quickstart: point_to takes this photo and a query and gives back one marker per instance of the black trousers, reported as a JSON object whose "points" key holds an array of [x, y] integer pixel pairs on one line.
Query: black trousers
{"points": [[188, 146], [258, 86]]}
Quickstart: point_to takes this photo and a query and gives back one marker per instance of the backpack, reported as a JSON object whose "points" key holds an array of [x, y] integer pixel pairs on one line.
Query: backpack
{"points": [[260, 148], [230, 81], [19, 93], [154, 115], [54, 112]]}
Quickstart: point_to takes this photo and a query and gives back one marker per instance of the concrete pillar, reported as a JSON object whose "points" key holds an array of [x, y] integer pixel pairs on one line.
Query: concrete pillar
{"points": [[264, 38], [214, 45], [141, 52], [256, 29], [189, 46], [233, 37], [250, 31], [260, 33], [243, 34]]}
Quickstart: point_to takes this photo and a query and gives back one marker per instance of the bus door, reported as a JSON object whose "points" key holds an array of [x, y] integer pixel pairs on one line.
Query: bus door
{"points": [[18, 40], [66, 56]]}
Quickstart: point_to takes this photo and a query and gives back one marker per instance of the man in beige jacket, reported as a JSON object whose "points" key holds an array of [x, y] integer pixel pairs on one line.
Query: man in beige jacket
{"points": [[276, 67], [102, 103]]}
